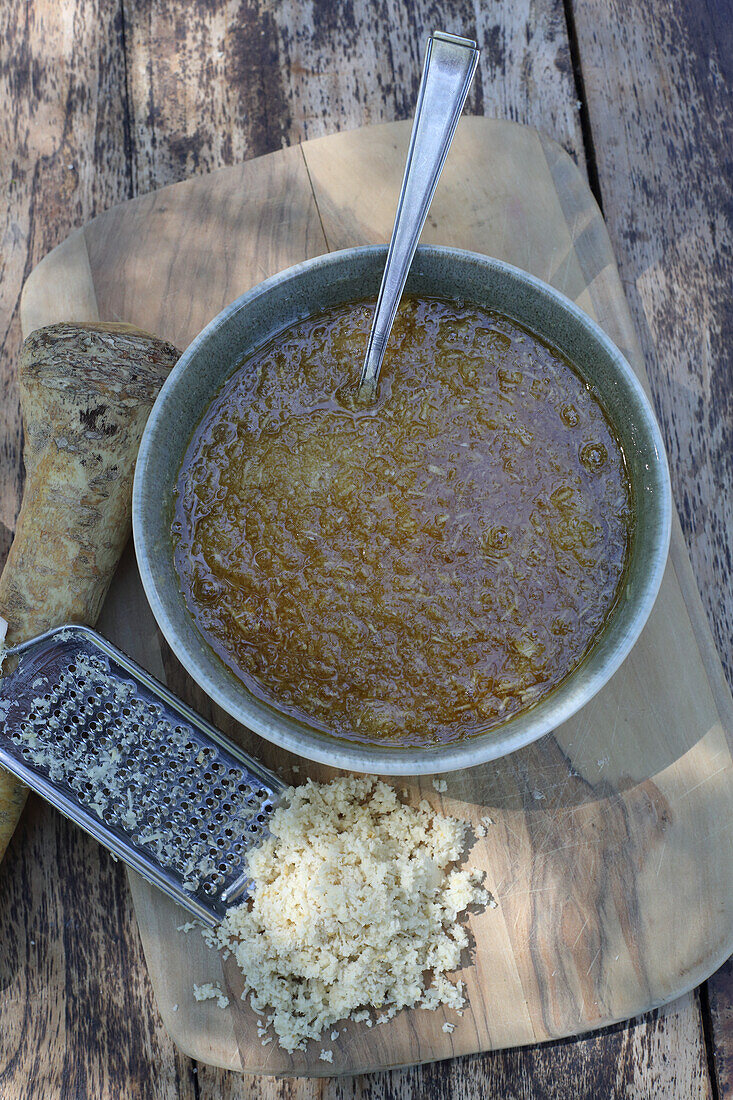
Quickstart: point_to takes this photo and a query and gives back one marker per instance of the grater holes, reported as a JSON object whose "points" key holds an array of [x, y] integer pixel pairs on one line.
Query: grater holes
{"points": [[149, 762]]}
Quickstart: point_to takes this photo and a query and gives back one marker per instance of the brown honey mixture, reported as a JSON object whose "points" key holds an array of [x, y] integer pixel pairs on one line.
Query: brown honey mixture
{"points": [[415, 571]]}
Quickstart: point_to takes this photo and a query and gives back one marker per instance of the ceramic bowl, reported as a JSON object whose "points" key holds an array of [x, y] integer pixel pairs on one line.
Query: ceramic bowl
{"points": [[256, 317]]}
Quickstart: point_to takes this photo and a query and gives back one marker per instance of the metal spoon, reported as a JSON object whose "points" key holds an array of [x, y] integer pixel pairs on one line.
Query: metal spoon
{"points": [[450, 63]]}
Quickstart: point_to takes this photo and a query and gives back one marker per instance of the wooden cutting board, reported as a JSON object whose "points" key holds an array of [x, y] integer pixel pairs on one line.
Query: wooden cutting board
{"points": [[611, 854]]}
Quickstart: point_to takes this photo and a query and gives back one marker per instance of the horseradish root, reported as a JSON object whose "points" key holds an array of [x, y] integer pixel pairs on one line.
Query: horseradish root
{"points": [[86, 391]]}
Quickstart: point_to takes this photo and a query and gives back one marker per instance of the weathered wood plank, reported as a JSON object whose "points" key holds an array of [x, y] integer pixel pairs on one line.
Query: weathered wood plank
{"points": [[78, 1016], [720, 1001], [63, 157], [659, 1055], [658, 85], [213, 84], [657, 79]]}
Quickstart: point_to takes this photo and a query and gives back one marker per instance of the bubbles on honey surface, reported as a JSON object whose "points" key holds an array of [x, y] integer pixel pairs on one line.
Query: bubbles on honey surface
{"points": [[496, 540], [594, 456], [569, 416]]}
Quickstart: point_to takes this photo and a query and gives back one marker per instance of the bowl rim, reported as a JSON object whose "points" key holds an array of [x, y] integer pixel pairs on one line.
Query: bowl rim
{"points": [[501, 740]]}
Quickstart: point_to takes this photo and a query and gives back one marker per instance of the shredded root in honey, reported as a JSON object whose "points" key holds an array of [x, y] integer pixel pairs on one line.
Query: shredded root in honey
{"points": [[415, 571]]}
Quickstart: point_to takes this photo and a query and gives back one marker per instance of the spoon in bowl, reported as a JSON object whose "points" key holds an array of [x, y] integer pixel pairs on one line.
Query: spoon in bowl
{"points": [[450, 63]]}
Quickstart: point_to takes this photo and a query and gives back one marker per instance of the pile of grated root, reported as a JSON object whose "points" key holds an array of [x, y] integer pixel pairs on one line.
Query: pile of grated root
{"points": [[354, 908]]}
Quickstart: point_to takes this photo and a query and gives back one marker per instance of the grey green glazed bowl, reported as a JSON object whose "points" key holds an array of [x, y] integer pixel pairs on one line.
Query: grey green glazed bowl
{"points": [[341, 277]]}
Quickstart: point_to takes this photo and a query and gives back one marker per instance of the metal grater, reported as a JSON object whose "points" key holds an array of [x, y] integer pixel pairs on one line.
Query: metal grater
{"points": [[115, 751]]}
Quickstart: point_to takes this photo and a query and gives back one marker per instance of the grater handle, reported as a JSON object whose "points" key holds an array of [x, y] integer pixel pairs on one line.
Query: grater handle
{"points": [[86, 391]]}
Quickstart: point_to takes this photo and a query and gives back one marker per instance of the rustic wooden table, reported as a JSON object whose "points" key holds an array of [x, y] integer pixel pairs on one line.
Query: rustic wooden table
{"points": [[105, 100]]}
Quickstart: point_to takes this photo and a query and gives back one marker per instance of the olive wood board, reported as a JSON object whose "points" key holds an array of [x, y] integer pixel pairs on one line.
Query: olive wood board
{"points": [[611, 852]]}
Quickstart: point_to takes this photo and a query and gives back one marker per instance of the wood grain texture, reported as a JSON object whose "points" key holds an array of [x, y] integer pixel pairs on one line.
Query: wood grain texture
{"points": [[720, 1001], [68, 929], [596, 827], [659, 1057], [242, 232], [660, 111], [63, 158], [71, 294], [214, 83], [66, 965]]}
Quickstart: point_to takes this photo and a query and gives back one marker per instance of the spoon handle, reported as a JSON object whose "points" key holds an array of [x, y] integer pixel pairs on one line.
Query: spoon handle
{"points": [[450, 63]]}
